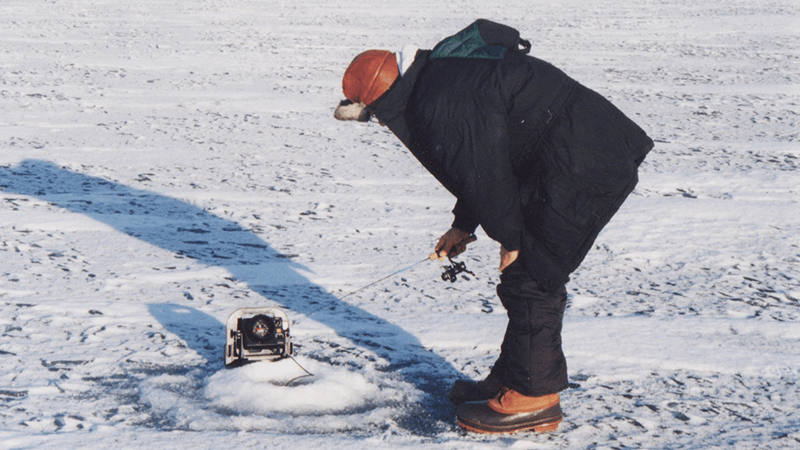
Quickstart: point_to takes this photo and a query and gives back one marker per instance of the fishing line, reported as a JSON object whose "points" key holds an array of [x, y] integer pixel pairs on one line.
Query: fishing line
{"points": [[448, 275], [307, 373], [371, 284], [387, 276]]}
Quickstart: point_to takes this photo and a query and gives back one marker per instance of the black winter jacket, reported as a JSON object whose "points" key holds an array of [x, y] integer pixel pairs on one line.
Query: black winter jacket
{"points": [[539, 161]]}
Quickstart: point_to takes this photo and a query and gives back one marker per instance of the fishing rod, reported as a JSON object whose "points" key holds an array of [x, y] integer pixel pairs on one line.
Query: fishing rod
{"points": [[450, 272]]}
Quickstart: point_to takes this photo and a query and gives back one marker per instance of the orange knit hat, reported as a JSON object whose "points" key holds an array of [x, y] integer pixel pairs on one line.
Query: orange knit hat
{"points": [[369, 75]]}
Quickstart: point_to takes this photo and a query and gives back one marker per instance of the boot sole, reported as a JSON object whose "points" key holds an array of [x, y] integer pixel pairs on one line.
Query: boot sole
{"points": [[538, 428], [478, 417]]}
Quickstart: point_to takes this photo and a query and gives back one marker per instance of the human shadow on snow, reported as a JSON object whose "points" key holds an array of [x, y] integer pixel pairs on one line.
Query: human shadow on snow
{"points": [[201, 332], [191, 232]]}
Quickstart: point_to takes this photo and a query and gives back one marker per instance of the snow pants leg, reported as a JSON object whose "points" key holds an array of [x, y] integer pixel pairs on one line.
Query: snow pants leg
{"points": [[531, 360]]}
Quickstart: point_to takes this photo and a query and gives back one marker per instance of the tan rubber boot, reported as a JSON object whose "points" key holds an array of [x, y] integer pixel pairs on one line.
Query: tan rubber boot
{"points": [[510, 412]]}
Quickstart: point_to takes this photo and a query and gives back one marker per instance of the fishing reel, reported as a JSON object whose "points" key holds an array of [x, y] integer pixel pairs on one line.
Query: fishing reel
{"points": [[451, 272]]}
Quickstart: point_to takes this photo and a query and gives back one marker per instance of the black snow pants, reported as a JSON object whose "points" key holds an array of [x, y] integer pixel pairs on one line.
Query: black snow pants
{"points": [[531, 361]]}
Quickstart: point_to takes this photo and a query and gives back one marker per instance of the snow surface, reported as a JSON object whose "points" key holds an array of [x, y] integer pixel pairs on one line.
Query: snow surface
{"points": [[164, 163]]}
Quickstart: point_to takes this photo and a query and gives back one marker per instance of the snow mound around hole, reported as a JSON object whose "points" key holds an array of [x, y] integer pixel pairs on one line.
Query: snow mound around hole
{"points": [[267, 388]]}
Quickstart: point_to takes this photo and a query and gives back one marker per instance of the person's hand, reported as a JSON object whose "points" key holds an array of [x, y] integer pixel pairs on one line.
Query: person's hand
{"points": [[507, 257], [452, 243]]}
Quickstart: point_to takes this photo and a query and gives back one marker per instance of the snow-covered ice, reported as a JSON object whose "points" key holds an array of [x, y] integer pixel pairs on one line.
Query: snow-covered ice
{"points": [[165, 163]]}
